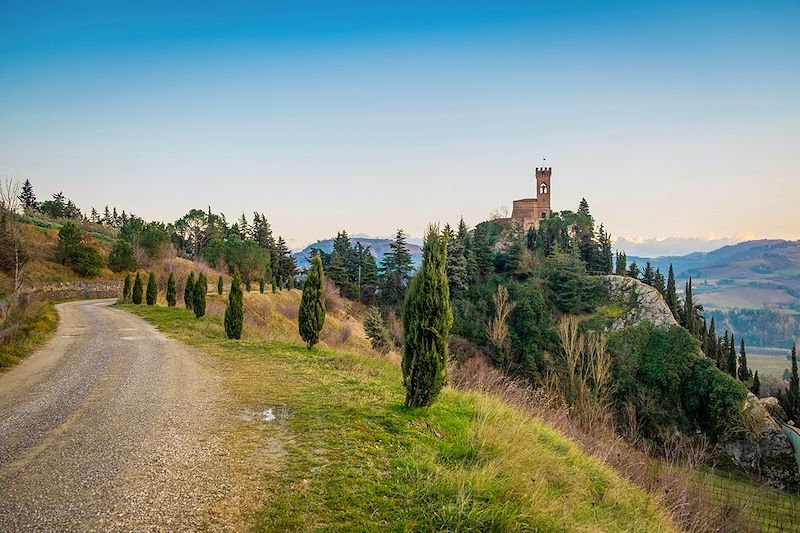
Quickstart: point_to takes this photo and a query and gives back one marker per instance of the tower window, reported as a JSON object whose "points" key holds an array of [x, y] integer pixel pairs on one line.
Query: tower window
{"points": [[543, 188]]}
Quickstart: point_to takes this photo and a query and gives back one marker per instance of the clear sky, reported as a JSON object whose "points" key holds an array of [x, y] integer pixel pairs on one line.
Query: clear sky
{"points": [[674, 119]]}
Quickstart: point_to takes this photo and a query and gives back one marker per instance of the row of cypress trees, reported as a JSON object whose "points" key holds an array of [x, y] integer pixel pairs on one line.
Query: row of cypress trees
{"points": [[137, 293]]}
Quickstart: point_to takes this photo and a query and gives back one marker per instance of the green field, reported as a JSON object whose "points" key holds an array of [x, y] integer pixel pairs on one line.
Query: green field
{"points": [[767, 365]]}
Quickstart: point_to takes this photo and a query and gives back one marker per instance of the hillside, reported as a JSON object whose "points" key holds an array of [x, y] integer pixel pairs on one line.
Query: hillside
{"points": [[378, 248]]}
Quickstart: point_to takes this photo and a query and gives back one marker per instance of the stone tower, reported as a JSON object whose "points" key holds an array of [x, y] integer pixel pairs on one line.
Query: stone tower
{"points": [[529, 211]]}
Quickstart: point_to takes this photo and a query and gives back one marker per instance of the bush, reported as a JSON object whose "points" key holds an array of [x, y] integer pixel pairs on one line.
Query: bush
{"points": [[199, 296], [137, 290], [376, 331], [74, 253], [121, 257], [570, 289], [152, 289], [172, 298], [234, 312]]}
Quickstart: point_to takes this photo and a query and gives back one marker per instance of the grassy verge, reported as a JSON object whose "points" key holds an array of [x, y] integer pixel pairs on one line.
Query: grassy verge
{"points": [[35, 323], [353, 458]]}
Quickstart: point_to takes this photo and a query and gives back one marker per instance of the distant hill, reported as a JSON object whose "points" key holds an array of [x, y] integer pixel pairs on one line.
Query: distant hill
{"points": [[378, 248]]}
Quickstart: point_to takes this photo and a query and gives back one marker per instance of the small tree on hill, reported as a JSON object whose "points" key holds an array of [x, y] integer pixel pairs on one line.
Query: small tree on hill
{"points": [[126, 287], [188, 292], [311, 317], [199, 296], [744, 372], [790, 398], [756, 387], [152, 289], [247, 285], [261, 284], [137, 290], [172, 296], [219, 286], [427, 319], [376, 331], [234, 312], [672, 293]]}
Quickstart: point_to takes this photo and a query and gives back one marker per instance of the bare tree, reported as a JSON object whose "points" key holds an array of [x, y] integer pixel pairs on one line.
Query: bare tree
{"points": [[498, 326], [9, 207]]}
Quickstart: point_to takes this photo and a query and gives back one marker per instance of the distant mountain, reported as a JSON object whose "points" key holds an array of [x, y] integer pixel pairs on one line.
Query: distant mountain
{"points": [[378, 247], [746, 275]]}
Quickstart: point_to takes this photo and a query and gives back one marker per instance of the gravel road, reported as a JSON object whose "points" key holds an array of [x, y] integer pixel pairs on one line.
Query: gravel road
{"points": [[112, 427]]}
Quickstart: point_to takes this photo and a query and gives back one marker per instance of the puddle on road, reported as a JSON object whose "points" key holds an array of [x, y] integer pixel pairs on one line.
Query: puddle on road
{"points": [[269, 414]]}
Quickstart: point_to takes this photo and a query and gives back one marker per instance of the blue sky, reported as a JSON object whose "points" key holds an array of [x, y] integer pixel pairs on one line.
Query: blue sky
{"points": [[674, 119]]}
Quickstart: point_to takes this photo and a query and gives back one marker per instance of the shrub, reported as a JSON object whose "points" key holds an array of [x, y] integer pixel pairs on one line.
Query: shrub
{"points": [[74, 253], [234, 312], [137, 289], [171, 292], [121, 257], [261, 284], [188, 292], [152, 289], [199, 296], [126, 287], [220, 286], [376, 331], [311, 315], [427, 319]]}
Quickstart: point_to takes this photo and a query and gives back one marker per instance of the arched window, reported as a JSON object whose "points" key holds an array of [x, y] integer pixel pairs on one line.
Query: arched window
{"points": [[543, 188]]}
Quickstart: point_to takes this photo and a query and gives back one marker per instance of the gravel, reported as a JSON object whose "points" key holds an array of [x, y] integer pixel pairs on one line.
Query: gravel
{"points": [[113, 427]]}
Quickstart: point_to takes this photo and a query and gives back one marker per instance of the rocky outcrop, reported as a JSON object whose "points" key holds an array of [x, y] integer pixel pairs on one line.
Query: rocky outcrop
{"points": [[640, 302], [762, 447]]}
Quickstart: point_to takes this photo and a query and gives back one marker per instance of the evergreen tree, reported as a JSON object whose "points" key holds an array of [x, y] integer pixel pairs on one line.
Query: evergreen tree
{"points": [[790, 399], [659, 282], [606, 264], [723, 348], [621, 264], [633, 270], [427, 319], [126, 287], [649, 276], [172, 293], [398, 258], [376, 331], [138, 290], [188, 292], [457, 273], [220, 286], [152, 289], [311, 317], [732, 357], [234, 312], [199, 296], [27, 198], [247, 282], [261, 284], [672, 293], [483, 252], [689, 314], [756, 387], [744, 373]]}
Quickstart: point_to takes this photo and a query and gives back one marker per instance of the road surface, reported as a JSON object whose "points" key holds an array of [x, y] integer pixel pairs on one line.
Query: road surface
{"points": [[111, 426]]}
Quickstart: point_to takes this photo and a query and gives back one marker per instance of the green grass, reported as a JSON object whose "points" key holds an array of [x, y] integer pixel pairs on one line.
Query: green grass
{"points": [[768, 365], [355, 459], [35, 325]]}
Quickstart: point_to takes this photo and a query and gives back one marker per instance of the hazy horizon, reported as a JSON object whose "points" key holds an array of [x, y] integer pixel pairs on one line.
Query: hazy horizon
{"points": [[674, 120]]}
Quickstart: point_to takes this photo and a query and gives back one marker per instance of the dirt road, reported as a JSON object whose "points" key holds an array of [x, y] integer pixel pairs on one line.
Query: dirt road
{"points": [[112, 426]]}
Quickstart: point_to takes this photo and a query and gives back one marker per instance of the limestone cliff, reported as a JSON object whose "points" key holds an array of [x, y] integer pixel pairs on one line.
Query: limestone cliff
{"points": [[639, 301]]}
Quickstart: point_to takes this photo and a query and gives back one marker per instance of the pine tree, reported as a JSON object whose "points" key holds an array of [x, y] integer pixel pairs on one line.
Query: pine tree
{"points": [[649, 276], [311, 317], [247, 286], [126, 288], [220, 286], [137, 290], [672, 293], [172, 296], [152, 289], [234, 312], [261, 284], [659, 282], [457, 274], [621, 264], [744, 373], [606, 264], [427, 319], [376, 331], [633, 270], [756, 387], [188, 292], [199, 296], [732, 357], [27, 198]]}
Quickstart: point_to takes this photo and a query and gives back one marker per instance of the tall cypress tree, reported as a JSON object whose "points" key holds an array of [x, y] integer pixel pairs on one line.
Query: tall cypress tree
{"points": [[220, 286], [126, 288], [794, 386], [311, 316], [188, 292], [234, 312], [689, 315], [138, 290], [672, 293], [756, 387], [659, 282], [172, 296], [152, 289], [732, 357], [261, 284], [743, 372], [427, 319], [199, 296]]}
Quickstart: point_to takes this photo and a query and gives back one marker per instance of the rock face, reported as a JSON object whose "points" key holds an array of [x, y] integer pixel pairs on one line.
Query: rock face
{"points": [[762, 447], [640, 301]]}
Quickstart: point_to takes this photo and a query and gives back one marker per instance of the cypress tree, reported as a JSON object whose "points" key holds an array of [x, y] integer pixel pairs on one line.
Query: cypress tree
{"points": [[247, 282], [732, 357], [672, 293], [689, 316], [188, 292], [172, 297], [261, 284], [659, 282], [649, 276], [311, 317], [794, 385], [199, 296], [427, 319], [756, 387], [744, 372], [152, 289], [126, 288], [234, 312], [137, 290], [219, 285], [274, 284], [376, 331]]}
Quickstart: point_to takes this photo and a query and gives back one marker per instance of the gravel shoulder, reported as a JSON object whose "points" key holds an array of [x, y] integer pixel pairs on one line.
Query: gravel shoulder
{"points": [[114, 427]]}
